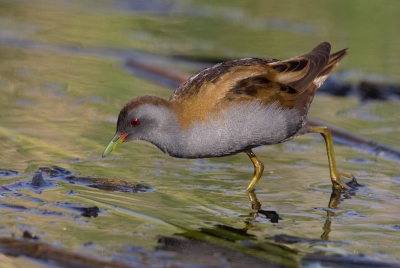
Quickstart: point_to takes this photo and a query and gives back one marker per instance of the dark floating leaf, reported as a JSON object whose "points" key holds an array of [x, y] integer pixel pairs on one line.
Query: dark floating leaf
{"points": [[29, 235], [56, 171], [270, 214], [85, 211], [37, 180], [88, 211]]}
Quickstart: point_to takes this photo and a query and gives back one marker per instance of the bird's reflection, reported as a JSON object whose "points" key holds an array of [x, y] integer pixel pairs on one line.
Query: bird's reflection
{"points": [[255, 204], [337, 196], [233, 243]]}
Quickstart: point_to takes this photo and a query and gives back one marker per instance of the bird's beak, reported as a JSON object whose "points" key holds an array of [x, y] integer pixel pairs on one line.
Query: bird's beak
{"points": [[114, 143]]}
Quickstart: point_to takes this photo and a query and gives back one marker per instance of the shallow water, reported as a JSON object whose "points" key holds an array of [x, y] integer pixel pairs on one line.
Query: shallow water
{"points": [[63, 82]]}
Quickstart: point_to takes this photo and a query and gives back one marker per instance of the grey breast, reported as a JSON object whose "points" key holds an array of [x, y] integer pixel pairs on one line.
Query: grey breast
{"points": [[236, 129]]}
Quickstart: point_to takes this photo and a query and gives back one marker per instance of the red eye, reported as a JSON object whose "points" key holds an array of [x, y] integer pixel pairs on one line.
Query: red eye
{"points": [[135, 122]]}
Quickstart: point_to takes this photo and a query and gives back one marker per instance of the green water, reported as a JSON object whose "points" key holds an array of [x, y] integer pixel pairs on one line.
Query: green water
{"points": [[63, 82]]}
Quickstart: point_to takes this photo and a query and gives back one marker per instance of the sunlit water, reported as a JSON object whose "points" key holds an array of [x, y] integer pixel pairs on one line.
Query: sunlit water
{"points": [[62, 83]]}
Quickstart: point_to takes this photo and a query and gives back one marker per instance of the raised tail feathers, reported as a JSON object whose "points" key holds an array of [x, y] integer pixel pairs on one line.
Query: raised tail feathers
{"points": [[333, 62]]}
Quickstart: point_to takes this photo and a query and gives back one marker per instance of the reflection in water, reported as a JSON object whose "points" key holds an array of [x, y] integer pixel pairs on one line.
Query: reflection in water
{"points": [[232, 245], [255, 204], [61, 84], [235, 246], [221, 239], [336, 197]]}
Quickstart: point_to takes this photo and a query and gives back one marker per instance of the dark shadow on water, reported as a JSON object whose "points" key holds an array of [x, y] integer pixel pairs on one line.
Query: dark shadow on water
{"points": [[198, 247]]}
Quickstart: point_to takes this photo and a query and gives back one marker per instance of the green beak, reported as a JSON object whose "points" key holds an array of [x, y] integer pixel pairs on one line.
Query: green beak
{"points": [[114, 143]]}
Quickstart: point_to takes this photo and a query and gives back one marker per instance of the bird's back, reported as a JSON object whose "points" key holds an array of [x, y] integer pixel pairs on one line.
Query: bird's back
{"points": [[291, 83]]}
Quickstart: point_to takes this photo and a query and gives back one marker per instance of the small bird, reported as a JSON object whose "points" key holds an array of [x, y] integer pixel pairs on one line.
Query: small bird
{"points": [[233, 107]]}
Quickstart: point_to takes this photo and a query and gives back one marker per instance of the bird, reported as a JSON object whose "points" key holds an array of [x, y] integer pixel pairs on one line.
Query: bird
{"points": [[233, 107]]}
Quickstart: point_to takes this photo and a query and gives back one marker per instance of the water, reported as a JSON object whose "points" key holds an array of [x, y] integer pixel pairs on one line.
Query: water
{"points": [[63, 82]]}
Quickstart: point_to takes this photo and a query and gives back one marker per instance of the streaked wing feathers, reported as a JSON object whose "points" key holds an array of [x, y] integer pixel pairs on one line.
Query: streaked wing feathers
{"points": [[291, 83]]}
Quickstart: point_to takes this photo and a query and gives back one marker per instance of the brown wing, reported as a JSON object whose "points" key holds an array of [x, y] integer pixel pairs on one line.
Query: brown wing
{"points": [[265, 80], [283, 81], [205, 92], [218, 75]]}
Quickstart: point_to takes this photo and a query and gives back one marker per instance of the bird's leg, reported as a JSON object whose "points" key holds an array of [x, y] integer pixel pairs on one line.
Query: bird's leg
{"points": [[335, 174], [258, 170]]}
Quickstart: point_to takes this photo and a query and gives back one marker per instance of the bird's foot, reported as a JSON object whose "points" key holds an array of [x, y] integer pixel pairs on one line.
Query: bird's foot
{"points": [[339, 185]]}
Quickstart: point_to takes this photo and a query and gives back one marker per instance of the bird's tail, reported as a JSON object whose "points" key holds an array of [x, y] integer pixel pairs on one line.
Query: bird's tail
{"points": [[333, 62]]}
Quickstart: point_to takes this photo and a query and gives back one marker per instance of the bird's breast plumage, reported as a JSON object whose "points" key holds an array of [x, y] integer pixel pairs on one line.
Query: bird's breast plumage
{"points": [[235, 129]]}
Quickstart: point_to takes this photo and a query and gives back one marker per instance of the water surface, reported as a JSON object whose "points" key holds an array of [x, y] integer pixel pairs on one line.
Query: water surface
{"points": [[63, 82]]}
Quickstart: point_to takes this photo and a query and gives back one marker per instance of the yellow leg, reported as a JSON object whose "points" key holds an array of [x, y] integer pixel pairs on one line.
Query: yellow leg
{"points": [[335, 174], [258, 170]]}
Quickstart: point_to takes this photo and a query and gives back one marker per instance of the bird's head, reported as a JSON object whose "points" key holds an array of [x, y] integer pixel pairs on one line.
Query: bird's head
{"points": [[140, 119]]}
